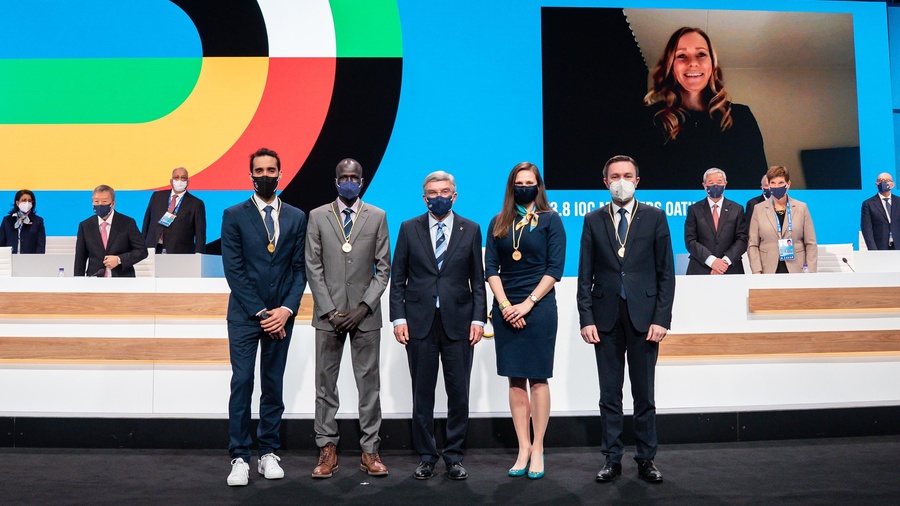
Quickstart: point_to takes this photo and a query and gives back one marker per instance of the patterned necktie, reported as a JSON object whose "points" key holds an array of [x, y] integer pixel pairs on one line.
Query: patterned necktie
{"points": [[716, 216], [172, 203], [348, 222], [270, 223], [623, 233], [887, 205], [440, 245]]}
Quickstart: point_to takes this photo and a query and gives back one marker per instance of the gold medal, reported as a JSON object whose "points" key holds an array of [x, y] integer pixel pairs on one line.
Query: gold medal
{"points": [[517, 255], [271, 248], [622, 252], [347, 247]]}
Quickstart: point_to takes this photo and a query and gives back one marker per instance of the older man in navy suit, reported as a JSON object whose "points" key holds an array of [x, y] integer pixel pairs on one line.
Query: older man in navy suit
{"points": [[880, 218], [108, 244], [263, 242], [716, 231], [626, 287]]}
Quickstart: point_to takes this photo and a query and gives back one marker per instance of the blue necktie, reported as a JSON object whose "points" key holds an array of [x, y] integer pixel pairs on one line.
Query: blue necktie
{"points": [[270, 223], [348, 222], [623, 233], [887, 205], [440, 245]]}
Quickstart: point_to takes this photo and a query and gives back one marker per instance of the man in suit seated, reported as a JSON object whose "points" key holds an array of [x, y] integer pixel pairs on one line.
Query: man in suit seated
{"points": [[348, 263], [109, 243], [748, 209], [880, 218], [175, 221], [715, 231]]}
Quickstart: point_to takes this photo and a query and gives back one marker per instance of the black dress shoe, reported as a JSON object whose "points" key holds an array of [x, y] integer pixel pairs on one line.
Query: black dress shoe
{"points": [[609, 472], [424, 471], [648, 472], [456, 471]]}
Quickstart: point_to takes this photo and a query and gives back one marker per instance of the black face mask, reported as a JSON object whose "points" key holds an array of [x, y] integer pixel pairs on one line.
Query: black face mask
{"points": [[265, 186], [525, 194]]}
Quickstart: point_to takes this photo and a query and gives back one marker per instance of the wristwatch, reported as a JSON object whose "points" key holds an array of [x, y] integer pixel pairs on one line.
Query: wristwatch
{"points": [[533, 298]]}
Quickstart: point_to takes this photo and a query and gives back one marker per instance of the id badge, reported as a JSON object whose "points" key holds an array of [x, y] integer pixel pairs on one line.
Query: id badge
{"points": [[785, 249], [167, 219]]}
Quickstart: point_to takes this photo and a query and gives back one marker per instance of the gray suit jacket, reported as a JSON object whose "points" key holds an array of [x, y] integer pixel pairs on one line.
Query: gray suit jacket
{"points": [[341, 280], [763, 245]]}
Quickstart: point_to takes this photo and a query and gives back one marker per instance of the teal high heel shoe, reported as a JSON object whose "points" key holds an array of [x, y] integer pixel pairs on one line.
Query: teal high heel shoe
{"points": [[515, 473], [533, 475]]}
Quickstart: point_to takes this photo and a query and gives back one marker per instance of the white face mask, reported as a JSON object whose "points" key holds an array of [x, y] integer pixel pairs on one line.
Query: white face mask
{"points": [[25, 206], [621, 190], [179, 186]]}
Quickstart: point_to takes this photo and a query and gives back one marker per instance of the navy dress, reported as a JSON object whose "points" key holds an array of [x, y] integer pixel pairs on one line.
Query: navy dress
{"points": [[527, 352]]}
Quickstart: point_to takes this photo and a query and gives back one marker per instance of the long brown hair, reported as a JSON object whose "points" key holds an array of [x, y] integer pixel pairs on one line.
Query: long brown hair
{"points": [[666, 89], [508, 215]]}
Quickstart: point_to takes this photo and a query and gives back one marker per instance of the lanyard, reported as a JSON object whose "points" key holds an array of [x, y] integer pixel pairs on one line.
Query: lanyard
{"points": [[178, 205], [789, 220]]}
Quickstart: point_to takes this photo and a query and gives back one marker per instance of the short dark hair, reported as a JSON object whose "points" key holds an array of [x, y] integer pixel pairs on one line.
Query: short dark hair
{"points": [[265, 152], [778, 171], [19, 195], [621, 158]]}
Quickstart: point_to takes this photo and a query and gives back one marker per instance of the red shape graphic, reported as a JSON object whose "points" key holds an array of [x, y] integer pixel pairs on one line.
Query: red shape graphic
{"points": [[288, 120]]}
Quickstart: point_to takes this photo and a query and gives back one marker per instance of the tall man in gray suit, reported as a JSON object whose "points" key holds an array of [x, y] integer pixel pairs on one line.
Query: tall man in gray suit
{"points": [[716, 231], [626, 286], [348, 262]]}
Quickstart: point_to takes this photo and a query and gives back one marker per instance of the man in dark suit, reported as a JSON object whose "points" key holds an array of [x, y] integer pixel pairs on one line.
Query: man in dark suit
{"points": [[175, 221], [748, 209], [880, 217], [108, 244], [438, 311], [626, 286], [262, 253], [348, 262], [715, 231]]}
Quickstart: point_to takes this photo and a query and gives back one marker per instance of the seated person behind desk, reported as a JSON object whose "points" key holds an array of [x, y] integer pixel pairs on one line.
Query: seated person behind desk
{"points": [[782, 237], [715, 231], [108, 244], [23, 229], [880, 218], [175, 221]]}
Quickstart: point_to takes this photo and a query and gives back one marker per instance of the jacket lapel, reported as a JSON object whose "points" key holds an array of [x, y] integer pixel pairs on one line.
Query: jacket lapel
{"points": [[425, 240], [610, 225], [256, 221], [634, 228], [360, 223], [455, 238], [112, 232]]}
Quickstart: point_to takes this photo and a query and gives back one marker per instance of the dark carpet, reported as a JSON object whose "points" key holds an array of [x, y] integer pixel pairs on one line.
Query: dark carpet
{"points": [[823, 471]]}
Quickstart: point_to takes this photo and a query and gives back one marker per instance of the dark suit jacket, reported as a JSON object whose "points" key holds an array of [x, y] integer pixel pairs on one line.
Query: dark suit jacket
{"points": [[34, 238], [702, 239], [186, 234], [748, 209], [416, 281], [874, 223], [123, 239], [259, 279], [648, 270]]}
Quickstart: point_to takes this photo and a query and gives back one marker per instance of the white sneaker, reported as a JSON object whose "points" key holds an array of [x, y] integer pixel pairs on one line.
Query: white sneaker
{"points": [[268, 467], [240, 473]]}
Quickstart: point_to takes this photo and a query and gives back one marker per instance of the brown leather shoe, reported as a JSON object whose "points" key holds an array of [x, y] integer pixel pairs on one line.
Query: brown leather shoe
{"points": [[328, 462], [371, 464]]}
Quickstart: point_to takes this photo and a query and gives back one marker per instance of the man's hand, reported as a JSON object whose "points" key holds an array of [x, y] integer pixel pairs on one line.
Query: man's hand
{"points": [[274, 321], [475, 333], [353, 318], [111, 261], [401, 332], [589, 334], [719, 266], [278, 335], [656, 333]]}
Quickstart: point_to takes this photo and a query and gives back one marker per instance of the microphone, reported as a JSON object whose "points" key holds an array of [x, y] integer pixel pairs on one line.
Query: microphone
{"points": [[101, 273], [844, 259]]}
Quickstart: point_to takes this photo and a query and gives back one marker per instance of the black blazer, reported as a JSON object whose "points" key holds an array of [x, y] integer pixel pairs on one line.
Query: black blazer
{"points": [[648, 270], [748, 209], [123, 239], [186, 234], [702, 239], [874, 224], [34, 237], [416, 281]]}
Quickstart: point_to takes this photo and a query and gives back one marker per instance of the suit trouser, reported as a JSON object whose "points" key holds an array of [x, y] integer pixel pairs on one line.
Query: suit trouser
{"points": [[611, 352], [364, 356], [243, 340], [456, 357]]}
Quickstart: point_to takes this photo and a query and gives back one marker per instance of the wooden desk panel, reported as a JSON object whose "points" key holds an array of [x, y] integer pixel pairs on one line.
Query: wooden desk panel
{"points": [[824, 300], [113, 349], [780, 343]]}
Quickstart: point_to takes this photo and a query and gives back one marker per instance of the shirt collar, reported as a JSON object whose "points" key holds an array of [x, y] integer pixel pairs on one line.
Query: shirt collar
{"points": [[341, 206], [261, 205], [447, 221], [107, 220], [629, 207]]}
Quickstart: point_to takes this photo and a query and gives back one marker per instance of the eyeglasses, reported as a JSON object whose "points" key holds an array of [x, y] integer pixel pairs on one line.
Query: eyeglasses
{"points": [[446, 192], [882, 180]]}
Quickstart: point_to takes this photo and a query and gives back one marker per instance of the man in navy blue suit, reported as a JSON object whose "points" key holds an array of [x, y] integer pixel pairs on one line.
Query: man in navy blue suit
{"points": [[880, 218], [263, 254], [626, 287]]}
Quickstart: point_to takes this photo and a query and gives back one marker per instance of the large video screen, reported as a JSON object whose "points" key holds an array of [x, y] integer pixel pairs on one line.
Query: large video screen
{"points": [[120, 93]]}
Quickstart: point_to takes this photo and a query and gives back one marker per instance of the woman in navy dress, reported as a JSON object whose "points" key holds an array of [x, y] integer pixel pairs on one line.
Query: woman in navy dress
{"points": [[525, 253], [22, 228]]}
